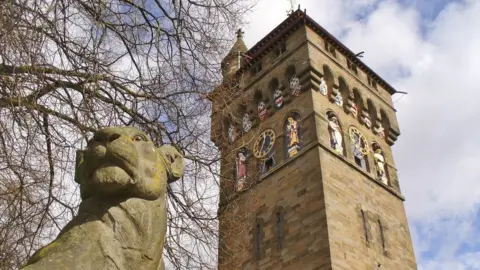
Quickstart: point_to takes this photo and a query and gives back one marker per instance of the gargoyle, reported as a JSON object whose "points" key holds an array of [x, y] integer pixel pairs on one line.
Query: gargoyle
{"points": [[122, 219]]}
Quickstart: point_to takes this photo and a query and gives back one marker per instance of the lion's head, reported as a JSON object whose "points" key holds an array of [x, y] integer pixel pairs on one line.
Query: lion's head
{"points": [[123, 161]]}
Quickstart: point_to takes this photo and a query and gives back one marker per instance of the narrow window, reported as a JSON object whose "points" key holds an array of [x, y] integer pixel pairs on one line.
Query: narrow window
{"points": [[280, 49], [256, 68], [279, 228], [352, 66], [330, 49], [364, 223], [382, 237], [258, 241]]}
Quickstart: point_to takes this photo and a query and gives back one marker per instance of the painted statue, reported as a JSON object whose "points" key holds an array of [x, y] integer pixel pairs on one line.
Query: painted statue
{"points": [[122, 219], [293, 137], [353, 110], [379, 130], [335, 132], [295, 86], [359, 147], [247, 123], [323, 87], [380, 165], [262, 111], [232, 134], [338, 99], [278, 98], [366, 120], [241, 162]]}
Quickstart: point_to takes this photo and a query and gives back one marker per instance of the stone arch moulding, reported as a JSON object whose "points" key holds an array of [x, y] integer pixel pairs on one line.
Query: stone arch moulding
{"points": [[329, 79], [343, 94], [293, 134], [335, 133]]}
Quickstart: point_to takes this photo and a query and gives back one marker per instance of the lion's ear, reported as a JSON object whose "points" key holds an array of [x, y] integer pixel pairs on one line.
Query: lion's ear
{"points": [[173, 160]]}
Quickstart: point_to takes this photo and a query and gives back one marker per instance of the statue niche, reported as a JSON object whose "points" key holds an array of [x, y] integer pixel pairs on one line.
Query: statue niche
{"points": [[122, 219], [335, 133], [292, 132]]}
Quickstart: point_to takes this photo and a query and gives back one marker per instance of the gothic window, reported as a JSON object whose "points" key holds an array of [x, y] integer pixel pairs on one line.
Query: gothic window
{"points": [[293, 81], [382, 237], [279, 227], [264, 151], [335, 133], [360, 148], [292, 134], [280, 49], [364, 226], [352, 66], [258, 240], [372, 83], [256, 68], [380, 164], [330, 49], [241, 169]]}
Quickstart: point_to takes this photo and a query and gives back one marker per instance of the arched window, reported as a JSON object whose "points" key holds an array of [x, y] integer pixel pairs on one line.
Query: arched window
{"points": [[341, 97], [293, 81], [241, 169], [360, 148], [279, 222], [335, 133], [293, 135], [385, 125], [277, 93], [328, 77], [258, 239], [380, 164]]}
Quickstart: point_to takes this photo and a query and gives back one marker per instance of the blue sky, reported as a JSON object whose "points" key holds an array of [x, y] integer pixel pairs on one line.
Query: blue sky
{"points": [[430, 49]]}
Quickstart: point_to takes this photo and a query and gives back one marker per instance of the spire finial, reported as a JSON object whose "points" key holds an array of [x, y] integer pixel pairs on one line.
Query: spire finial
{"points": [[240, 33]]}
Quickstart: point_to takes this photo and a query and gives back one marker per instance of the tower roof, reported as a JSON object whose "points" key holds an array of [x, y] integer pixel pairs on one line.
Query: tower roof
{"points": [[239, 46], [293, 21]]}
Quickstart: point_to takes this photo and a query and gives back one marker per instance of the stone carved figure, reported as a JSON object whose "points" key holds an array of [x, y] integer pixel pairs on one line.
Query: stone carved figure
{"points": [[293, 137], [122, 219], [262, 111], [380, 165], [247, 123], [295, 86], [379, 130], [353, 110], [336, 138], [323, 87], [278, 98], [366, 120], [241, 164], [232, 133], [338, 99]]}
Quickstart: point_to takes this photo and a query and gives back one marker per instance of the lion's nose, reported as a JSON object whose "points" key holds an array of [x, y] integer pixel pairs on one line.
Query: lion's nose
{"points": [[113, 137]]}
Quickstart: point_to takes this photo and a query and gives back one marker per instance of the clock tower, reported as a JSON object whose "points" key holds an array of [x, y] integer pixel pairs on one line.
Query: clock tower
{"points": [[308, 179]]}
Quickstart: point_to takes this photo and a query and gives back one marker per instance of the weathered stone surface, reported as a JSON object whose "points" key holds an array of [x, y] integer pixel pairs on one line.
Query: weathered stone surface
{"points": [[122, 218]]}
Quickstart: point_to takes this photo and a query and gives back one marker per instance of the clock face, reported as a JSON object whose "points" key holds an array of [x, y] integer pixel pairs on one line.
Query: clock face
{"points": [[359, 140], [264, 144]]}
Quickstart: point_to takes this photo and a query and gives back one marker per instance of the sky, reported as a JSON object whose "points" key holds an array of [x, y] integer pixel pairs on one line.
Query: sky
{"points": [[431, 50]]}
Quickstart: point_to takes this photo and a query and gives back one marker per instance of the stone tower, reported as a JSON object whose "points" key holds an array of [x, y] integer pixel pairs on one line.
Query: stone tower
{"points": [[308, 179]]}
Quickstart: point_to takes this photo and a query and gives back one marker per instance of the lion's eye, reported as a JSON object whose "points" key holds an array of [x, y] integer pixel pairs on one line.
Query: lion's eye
{"points": [[139, 138]]}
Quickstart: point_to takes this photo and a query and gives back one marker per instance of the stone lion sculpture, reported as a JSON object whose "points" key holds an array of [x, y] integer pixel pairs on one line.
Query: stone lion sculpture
{"points": [[122, 219]]}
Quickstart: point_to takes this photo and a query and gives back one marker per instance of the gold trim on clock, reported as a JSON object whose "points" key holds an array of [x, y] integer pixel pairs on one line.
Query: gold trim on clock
{"points": [[259, 150]]}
